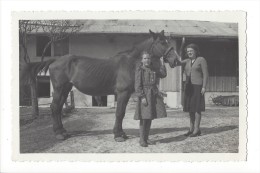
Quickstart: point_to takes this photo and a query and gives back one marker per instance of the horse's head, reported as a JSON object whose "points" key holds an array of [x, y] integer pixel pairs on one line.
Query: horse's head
{"points": [[159, 44], [159, 47]]}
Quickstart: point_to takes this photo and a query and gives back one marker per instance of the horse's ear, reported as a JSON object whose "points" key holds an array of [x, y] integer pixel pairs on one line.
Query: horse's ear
{"points": [[153, 34], [162, 32]]}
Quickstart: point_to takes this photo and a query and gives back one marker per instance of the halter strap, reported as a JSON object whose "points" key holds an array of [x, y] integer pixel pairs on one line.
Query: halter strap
{"points": [[165, 53], [151, 48]]}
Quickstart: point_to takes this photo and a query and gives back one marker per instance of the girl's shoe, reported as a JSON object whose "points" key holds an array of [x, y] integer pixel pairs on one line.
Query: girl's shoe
{"points": [[143, 144], [188, 133]]}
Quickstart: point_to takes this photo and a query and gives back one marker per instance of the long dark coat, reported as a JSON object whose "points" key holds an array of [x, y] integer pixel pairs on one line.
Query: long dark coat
{"points": [[146, 81]]}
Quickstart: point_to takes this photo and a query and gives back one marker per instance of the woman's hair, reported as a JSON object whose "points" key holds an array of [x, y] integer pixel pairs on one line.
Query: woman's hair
{"points": [[194, 47]]}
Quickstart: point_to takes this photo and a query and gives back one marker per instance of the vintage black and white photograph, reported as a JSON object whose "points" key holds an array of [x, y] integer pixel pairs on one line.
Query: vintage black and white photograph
{"points": [[98, 86]]}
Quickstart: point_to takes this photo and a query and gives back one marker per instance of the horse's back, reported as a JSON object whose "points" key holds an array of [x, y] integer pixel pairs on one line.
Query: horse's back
{"points": [[89, 75], [68, 62]]}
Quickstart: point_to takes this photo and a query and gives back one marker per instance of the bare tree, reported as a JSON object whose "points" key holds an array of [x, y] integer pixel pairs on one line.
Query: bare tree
{"points": [[25, 28], [56, 30]]}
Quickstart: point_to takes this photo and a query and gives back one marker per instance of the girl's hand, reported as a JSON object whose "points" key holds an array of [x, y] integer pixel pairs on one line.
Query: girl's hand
{"points": [[162, 61], [144, 101]]}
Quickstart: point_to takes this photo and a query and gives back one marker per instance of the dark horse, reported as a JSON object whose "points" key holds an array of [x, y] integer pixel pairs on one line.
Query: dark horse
{"points": [[98, 77]]}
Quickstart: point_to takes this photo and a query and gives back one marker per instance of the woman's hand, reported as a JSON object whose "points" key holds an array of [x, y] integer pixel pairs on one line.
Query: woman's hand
{"points": [[177, 56], [203, 91]]}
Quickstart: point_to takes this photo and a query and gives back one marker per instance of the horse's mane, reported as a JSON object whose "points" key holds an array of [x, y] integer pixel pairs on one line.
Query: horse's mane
{"points": [[134, 53]]}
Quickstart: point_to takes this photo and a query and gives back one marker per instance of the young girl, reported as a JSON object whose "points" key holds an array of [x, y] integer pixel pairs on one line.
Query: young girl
{"points": [[150, 103]]}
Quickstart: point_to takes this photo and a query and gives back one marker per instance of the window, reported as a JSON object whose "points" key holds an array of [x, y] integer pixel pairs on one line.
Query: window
{"points": [[43, 86], [61, 47], [41, 42]]}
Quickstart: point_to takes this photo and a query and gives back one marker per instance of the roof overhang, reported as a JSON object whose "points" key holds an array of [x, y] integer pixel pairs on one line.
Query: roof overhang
{"points": [[174, 28]]}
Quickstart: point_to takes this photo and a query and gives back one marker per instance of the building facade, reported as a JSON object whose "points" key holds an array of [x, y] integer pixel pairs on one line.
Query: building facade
{"points": [[218, 44]]}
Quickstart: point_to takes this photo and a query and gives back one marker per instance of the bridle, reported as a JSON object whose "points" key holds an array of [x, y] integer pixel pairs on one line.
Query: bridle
{"points": [[165, 54]]}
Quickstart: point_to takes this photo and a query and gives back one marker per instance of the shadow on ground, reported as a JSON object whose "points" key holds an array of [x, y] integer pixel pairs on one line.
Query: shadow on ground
{"points": [[205, 131], [132, 133]]}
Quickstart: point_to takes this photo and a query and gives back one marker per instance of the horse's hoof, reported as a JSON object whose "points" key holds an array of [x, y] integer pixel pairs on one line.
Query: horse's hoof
{"points": [[65, 133], [119, 139], [63, 130], [60, 137], [124, 136]]}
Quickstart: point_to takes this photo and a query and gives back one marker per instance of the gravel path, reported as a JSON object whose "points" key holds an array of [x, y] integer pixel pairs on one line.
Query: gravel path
{"points": [[91, 132]]}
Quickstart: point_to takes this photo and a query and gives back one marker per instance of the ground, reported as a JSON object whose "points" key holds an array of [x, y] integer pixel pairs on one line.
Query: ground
{"points": [[91, 132]]}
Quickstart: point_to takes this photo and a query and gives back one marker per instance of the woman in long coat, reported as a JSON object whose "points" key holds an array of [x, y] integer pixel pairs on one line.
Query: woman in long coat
{"points": [[196, 71], [150, 103]]}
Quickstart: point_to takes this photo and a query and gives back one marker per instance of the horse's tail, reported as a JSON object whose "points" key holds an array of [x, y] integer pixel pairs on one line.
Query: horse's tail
{"points": [[29, 71]]}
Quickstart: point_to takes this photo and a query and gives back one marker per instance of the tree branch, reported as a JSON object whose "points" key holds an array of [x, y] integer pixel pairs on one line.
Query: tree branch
{"points": [[45, 48]]}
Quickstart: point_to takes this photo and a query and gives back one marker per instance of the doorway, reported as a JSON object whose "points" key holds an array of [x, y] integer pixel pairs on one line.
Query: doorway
{"points": [[100, 101]]}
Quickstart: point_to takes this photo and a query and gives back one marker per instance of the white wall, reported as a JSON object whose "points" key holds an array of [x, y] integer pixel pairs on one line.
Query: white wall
{"points": [[104, 46], [173, 99], [92, 45], [101, 45]]}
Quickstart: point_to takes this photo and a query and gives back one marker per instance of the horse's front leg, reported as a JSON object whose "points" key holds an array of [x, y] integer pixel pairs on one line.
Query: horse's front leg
{"points": [[59, 97], [122, 100], [56, 116]]}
